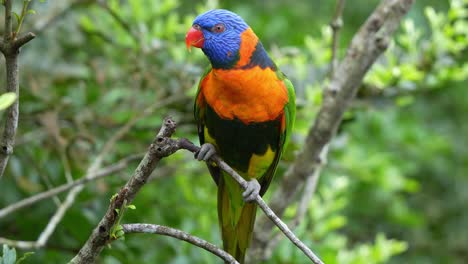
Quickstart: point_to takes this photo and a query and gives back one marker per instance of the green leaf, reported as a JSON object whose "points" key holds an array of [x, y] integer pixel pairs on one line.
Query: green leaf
{"points": [[9, 255], [18, 19], [131, 206], [6, 100], [404, 100], [31, 11], [117, 232]]}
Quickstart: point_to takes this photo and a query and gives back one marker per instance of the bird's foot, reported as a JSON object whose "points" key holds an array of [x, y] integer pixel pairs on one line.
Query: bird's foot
{"points": [[206, 151], [252, 190]]}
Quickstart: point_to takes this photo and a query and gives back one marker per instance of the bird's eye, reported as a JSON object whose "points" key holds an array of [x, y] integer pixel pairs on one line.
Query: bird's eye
{"points": [[196, 26], [218, 28]]}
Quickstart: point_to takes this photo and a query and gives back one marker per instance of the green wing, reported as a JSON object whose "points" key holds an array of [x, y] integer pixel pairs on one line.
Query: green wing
{"points": [[197, 108], [290, 117], [289, 110]]}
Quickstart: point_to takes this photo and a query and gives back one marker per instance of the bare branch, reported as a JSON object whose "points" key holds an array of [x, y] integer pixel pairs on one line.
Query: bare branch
{"points": [[336, 24], [10, 48], [57, 217], [11, 120], [23, 39], [181, 235], [18, 243], [8, 21], [122, 164], [140, 115], [308, 192], [100, 235], [369, 42]]}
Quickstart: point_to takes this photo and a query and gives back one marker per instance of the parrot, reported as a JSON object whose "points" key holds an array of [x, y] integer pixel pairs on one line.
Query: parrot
{"points": [[245, 111]]}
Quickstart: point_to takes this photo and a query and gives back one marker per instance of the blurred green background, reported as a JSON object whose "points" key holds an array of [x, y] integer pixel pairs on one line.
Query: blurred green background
{"points": [[395, 189]]}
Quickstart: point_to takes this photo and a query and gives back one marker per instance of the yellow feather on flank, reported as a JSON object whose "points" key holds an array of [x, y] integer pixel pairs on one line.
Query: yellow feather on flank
{"points": [[259, 164], [208, 137]]}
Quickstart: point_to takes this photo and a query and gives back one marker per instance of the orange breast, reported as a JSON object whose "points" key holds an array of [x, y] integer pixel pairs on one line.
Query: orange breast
{"points": [[253, 95]]}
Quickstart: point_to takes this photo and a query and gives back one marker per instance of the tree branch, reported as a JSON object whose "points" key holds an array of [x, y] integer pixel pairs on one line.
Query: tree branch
{"points": [[181, 235], [100, 235], [57, 217], [8, 20], [122, 164], [308, 191], [23, 39], [10, 48], [366, 46], [336, 24], [11, 121]]}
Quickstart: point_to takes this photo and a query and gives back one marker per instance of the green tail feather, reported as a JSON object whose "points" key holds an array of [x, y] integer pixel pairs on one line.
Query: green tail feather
{"points": [[236, 218]]}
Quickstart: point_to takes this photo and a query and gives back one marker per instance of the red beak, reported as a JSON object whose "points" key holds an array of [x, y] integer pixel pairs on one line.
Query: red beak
{"points": [[194, 38]]}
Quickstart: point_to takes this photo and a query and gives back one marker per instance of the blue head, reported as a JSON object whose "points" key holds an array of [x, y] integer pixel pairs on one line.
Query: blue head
{"points": [[218, 33]]}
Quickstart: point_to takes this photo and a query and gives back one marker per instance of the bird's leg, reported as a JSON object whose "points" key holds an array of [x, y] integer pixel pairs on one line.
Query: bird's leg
{"points": [[252, 190], [206, 151]]}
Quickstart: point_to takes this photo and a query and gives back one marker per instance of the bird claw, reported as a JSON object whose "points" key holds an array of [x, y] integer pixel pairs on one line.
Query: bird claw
{"points": [[206, 151], [252, 190]]}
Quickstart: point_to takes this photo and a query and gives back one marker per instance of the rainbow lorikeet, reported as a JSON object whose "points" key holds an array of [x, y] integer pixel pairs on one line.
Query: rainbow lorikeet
{"points": [[245, 110]]}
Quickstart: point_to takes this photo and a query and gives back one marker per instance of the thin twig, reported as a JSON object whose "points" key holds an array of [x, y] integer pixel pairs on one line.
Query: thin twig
{"points": [[310, 186], [18, 243], [23, 39], [57, 217], [106, 171], [149, 110], [8, 21], [121, 21], [181, 235], [336, 23], [22, 16], [69, 200]]}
